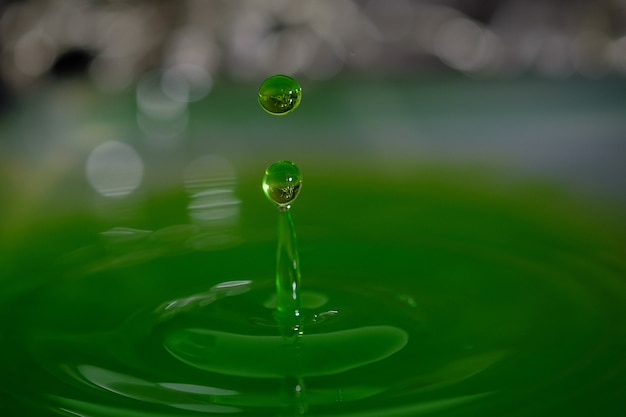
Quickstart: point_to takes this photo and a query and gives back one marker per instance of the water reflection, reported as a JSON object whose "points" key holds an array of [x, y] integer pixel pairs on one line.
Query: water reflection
{"points": [[172, 308], [213, 209], [181, 396], [213, 206], [124, 234]]}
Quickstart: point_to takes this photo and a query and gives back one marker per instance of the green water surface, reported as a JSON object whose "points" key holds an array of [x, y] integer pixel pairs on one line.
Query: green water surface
{"points": [[420, 295]]}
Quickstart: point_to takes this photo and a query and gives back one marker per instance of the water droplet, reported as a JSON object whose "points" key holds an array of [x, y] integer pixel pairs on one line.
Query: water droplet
{"points": [[280, 95], [281, 185], [282, 182]]}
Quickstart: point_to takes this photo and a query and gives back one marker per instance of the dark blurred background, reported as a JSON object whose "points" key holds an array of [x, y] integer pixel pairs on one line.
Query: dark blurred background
{"points": [[115, 42]]}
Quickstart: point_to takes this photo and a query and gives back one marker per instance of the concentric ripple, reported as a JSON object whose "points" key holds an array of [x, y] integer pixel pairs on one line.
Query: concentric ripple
{"points": [[506, 331]]}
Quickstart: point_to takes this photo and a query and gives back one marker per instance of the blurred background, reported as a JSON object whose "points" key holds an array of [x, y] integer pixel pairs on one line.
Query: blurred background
{"points": [[114, 42], [107, 98]]}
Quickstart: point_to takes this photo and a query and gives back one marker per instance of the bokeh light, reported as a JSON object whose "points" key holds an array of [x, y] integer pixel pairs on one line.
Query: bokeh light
{"points": [[114, 169]]}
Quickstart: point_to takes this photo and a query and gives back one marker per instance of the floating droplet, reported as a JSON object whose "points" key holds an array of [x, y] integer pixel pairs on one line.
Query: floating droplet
{"points": [[279, 95], [281, 183]]}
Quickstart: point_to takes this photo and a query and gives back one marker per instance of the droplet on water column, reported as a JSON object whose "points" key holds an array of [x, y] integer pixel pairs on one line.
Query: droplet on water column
{"points": [[282, 182], [280, 95]]}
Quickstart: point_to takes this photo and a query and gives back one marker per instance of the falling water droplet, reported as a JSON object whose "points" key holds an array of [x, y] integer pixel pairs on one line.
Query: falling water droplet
{"points": [[280, 95], [281, 183]]}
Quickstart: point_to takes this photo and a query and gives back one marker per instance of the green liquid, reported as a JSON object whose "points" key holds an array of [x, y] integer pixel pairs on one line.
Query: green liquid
{"points": [[281, 185], [288, 303], [280, 95], [454, 300]]}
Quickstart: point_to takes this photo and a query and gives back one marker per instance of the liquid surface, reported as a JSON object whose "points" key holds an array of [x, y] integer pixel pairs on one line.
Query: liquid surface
{"points": [[280, 95], [450, 301]]}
